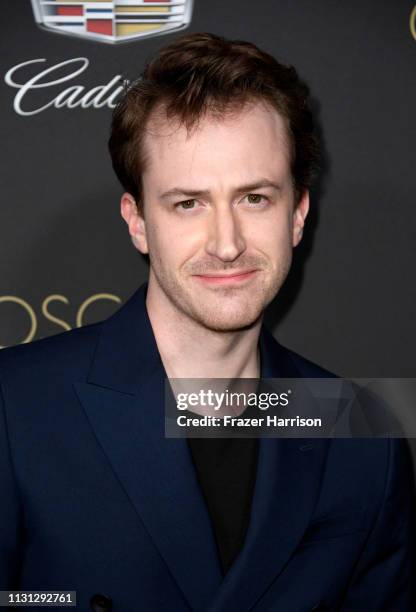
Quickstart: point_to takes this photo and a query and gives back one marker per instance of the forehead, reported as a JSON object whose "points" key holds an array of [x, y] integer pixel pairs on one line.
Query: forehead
{"points": [[236, 146]]}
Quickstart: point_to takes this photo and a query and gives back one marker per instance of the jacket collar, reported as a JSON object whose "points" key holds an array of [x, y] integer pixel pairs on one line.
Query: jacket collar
{"points": [[126, 354]]}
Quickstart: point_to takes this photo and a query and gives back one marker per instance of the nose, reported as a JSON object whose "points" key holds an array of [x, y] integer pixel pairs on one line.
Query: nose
{"points": [[225, 239]]}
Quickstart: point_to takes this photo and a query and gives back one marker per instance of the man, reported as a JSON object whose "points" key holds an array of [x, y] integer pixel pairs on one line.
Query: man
{"points": [[215, 150]]}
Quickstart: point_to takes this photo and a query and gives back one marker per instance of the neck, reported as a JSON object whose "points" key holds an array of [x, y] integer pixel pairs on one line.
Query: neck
{"points": [[190, 350]]}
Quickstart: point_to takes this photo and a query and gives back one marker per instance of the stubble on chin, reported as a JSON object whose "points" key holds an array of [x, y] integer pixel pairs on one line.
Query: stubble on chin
{"points": [[228, 309]]}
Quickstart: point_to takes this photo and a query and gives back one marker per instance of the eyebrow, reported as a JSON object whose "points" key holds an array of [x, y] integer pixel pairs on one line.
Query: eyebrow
{"points": [[195, 193]]}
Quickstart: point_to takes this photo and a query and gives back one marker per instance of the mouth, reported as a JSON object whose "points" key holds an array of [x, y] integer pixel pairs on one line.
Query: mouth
{"points": [[233, 277]]}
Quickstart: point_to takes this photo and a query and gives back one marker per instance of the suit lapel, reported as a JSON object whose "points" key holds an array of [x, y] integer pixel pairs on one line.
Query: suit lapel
{"points": [[288, 481], [124, 402]]}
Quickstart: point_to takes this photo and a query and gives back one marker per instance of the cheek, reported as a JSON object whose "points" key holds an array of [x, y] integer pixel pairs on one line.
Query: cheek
{"points": [[172, 243], [278, 249], [157, 239], [273, 237]]}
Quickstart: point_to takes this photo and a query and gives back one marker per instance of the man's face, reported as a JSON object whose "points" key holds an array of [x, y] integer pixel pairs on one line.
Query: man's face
{"points": [[219, 215]]}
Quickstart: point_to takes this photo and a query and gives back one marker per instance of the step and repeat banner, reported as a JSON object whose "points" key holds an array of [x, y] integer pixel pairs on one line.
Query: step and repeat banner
{"points": [[66, 257]]}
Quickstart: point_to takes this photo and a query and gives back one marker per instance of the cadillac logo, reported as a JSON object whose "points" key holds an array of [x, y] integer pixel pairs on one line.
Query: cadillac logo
{"points": [[112, 21]]}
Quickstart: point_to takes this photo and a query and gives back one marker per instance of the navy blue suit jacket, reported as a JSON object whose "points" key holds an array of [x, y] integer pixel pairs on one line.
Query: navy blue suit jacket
{"points": [[95, 499]]}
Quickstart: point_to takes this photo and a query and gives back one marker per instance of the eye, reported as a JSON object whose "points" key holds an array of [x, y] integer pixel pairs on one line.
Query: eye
{"points": [[256, 199], [186, 205]]}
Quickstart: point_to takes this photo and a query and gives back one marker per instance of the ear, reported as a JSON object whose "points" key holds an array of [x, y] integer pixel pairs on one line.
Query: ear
{"points": [[135, 222], [299, 216]]}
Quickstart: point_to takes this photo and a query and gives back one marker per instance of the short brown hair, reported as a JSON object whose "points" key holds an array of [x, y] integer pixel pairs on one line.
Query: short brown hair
{"points": [[202, 72]]}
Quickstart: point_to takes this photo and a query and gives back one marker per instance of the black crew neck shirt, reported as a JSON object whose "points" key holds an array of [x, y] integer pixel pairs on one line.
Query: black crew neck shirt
{"points": [[226, 471]]}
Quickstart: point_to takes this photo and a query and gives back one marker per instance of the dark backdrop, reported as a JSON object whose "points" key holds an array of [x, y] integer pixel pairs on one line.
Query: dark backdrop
{"points": [[349, 304]]}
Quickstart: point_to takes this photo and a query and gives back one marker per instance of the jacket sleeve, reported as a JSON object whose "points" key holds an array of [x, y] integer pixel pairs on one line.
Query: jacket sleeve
{"points": [[384, 576], [10, 515]]}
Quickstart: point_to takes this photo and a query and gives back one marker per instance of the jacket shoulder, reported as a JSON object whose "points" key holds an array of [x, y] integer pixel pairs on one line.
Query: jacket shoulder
{"points": [[308, 368], [69, 352], [305, 367]]}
